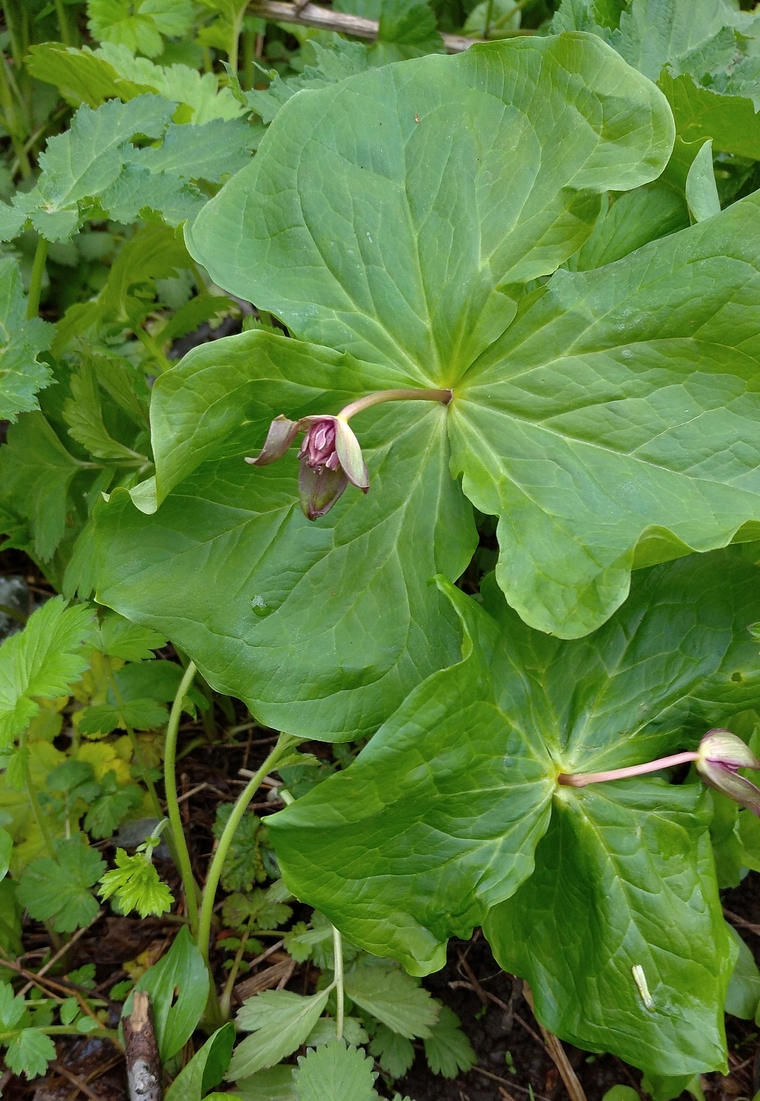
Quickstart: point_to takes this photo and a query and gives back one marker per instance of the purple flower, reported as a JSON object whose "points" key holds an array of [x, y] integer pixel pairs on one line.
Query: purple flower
{"points": [[721, 754], [330, 458]]}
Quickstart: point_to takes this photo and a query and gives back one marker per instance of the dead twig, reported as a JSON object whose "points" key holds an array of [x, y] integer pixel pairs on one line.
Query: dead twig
{"points": [[61, 952], [81, 1086], [143, 1062], [512, 1085], [311, 15], [742, 922], [557, 1053]]}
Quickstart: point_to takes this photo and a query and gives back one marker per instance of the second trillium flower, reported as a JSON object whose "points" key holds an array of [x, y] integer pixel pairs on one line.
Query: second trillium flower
{"points": [[330, 455]]}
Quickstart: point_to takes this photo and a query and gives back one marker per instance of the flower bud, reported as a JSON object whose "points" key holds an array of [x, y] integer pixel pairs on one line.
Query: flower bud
{"points": [[721, 754]]}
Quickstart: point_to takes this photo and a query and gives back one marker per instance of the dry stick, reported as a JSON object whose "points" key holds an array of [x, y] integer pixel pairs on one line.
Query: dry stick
{"points": [[143, 1061], [558, 1054], [311, 15], [737, 920], [61, 952], [81, 1086]]}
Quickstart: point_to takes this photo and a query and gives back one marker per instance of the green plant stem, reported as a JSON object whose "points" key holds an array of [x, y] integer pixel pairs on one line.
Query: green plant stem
{"points": [[226, 998], [38, 271], [582, 779], [284, 742], [13, 122], [338, 953], [11, 24], [505, 18], [358, 406], [489, 15], [249, 46], [172, 806], [63, 23], [34, 799], [62, 1030]]}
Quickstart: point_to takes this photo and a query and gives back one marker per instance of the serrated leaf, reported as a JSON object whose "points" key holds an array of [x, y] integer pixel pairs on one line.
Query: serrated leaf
{"points": [[447, 1049], [324, 1032], [29, 1053], [280, 1022], [36, 472], [84, 415], [135, 884], [12, 1008], [83, 161], [101, 719], [652, 34], [58, 890], [114, 803], [41, 661], [242, 865], [139, 24], [393, 998], [22, 374], [200, 92], [118, 638], [342, 59], [333, 1071], [394, 1053]]}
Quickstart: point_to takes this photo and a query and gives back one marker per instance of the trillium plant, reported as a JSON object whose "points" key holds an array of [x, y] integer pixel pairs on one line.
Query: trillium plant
{"points": [[476, 489], [423, 233]]}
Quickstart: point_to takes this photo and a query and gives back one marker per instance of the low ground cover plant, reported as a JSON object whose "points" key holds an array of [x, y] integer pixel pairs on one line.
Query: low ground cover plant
{"points": [[402, 405]]}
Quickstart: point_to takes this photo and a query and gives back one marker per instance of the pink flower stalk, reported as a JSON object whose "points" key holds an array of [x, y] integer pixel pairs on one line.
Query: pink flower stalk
{"points": [[720, 756], [330, 454]]}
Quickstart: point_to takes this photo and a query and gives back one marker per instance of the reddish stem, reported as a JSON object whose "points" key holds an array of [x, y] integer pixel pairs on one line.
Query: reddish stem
{"points": [[581, 779]]}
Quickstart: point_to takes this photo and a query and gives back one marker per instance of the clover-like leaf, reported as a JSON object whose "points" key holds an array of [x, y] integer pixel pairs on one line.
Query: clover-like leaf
{"points": [[439, 822]]}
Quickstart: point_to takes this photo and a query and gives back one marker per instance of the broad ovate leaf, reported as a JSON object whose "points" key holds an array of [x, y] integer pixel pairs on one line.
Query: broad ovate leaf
{"points": [[322, 629], [394, 248], [636, 957], [385, 214], [612, 425], [441, 821]]}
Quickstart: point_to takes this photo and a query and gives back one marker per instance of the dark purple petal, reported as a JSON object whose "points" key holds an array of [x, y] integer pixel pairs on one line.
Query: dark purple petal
{"points": [[280, 436], [319, 488]]}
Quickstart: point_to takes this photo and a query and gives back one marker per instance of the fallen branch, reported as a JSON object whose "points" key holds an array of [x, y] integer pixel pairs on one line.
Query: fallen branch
{"points": [[311, 15], [143, 1061]]}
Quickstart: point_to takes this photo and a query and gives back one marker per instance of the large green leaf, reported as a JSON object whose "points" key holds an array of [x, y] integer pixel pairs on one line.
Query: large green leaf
{"points": [[438, 819], [603, 428], [345, 238], [321, 629], [624, 880], [383, 213]]}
